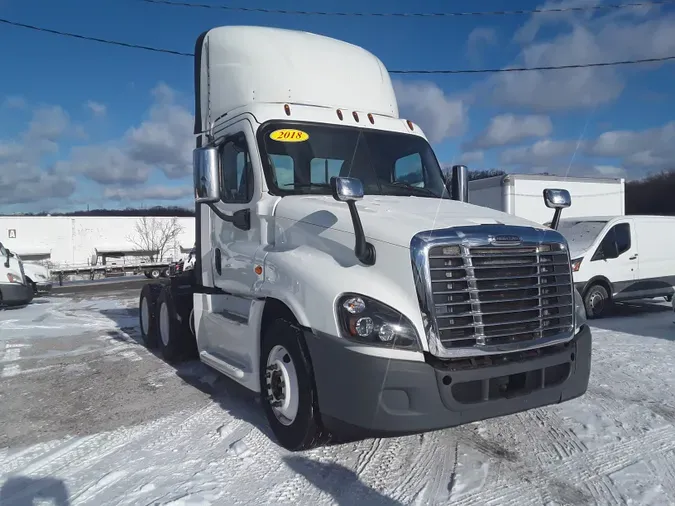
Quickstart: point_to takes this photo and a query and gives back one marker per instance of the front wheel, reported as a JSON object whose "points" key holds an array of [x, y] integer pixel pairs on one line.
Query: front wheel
{"points": [[597, 302], [287, 388]]}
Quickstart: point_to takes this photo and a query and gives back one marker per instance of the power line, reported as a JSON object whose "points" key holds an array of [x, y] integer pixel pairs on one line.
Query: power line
{"points": [[409, 72], [413, 14], [93, 39]]}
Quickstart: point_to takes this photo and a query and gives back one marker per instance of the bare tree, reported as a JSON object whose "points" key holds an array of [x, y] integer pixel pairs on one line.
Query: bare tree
{"points": [[155, 236]]}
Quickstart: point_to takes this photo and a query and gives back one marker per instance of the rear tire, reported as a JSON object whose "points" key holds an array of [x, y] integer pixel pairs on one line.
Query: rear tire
{"points": [[155, 274], [287, 389], [147, 305], [174, 339], [597, 301]]}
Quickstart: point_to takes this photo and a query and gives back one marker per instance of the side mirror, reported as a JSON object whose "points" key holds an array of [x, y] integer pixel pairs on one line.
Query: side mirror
{"points": [[349, 190], [346, 188], [206, 175], [557, 199]]}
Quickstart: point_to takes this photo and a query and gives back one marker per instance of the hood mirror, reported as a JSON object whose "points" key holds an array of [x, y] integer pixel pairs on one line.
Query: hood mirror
{"points": [[346, 188], [557, 199], [349, 190]]}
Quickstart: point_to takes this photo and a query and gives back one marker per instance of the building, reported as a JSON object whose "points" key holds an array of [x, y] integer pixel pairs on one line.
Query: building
{"points": [[74, 241]]}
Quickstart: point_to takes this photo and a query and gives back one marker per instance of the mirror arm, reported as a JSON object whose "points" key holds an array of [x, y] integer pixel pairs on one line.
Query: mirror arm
{"points": [[556, 218], [240, 219], [363, 250]]}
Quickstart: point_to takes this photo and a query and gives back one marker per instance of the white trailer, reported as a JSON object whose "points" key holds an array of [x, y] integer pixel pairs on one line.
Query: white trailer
{"points": [[410, 312], [521, 195]]}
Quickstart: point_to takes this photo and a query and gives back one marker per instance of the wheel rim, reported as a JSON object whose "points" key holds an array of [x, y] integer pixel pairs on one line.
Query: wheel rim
{"points": [[145, 315], [281, 382], [155, 274], [597, 302], [164, 324]]}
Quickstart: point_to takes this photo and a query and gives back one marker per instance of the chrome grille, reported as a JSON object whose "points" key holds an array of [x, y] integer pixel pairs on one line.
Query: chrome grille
{"points": [[500, 295]]}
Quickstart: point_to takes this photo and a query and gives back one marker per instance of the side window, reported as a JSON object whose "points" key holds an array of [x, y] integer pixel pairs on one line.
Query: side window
{"points": [[615, 243], [322, 169], [409, 169], [237, 172], [622, 235]]}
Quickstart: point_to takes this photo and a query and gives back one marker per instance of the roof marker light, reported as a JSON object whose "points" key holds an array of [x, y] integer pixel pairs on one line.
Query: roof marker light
{"points": [[356, 116], [372, 120], [410, 124], [339, 113], [287, 108]]}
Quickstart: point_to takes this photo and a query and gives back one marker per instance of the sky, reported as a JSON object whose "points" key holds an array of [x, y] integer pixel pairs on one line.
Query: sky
{"points": [[84, 124]]}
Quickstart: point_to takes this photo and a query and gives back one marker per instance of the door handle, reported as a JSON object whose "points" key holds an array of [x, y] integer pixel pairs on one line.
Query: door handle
{"points": [[633, 257], [218, 262]]}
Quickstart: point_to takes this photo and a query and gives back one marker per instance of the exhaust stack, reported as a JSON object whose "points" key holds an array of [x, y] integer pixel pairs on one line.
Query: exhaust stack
{"points": [[459, 183]]}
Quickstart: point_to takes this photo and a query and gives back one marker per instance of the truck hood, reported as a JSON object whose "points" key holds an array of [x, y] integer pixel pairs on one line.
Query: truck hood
{"points": [[392, 219]]}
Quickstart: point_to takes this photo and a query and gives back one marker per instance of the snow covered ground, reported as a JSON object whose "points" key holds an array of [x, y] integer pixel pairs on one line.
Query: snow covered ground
{"points": [[89, 416]]}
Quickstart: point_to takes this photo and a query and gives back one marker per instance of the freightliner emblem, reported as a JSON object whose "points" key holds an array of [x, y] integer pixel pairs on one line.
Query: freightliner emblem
{"points": [[505, 239]]}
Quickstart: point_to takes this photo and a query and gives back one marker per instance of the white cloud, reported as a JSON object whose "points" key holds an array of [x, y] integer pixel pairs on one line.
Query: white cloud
{"points": [[22, 179], [588, 39], [651, 148], [609, 170], [14, 102], [164, 140], [159, 192], [471, 157], [96, 108], [508, 129], [427, 105], [540, 153], [478, 39]]}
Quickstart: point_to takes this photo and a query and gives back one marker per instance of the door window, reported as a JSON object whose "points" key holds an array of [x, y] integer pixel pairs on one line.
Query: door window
{"points": [[616, 242], [237, 172]]}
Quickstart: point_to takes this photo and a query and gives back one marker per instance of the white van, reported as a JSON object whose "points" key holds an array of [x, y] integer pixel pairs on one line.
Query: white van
{"points": [[618, 258], [14, 289]]}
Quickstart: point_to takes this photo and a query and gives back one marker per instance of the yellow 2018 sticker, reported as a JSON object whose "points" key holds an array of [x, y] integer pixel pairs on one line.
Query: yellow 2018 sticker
{"points": [[289, 135]]}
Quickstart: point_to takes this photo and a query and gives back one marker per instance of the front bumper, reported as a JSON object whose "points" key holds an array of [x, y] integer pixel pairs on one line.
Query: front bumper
{"points": [[14, 294], [365, 396], [43, 287]]}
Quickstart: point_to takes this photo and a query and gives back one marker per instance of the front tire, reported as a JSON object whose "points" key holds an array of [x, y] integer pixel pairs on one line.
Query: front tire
{"points": [[287, 389], [597, 302]]}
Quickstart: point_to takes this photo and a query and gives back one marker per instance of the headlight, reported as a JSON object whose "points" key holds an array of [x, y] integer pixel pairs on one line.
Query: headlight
{"points": [[579, 311], [368, 321], [13, 278], [576, 263]]}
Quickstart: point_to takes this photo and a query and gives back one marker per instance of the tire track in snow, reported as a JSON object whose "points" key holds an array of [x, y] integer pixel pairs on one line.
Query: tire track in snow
{"points": [[557, 482]]}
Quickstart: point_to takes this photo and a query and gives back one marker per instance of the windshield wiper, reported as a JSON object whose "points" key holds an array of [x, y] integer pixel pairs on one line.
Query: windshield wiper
{"points": [[408, 186], [309, 185]]}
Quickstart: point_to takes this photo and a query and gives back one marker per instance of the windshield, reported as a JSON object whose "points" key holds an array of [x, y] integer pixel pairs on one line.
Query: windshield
{"points": [[580, 234], [301, 158]]}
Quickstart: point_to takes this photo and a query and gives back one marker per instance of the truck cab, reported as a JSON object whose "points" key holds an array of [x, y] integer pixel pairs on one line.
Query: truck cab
{"points": [[336, 273], [14, 287]]}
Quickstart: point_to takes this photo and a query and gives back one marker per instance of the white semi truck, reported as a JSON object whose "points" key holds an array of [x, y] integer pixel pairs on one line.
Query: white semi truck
{"points": [[337, 275], [15, 290], [520, 195]]}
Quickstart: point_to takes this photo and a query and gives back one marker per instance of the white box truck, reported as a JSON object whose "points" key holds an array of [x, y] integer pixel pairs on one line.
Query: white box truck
{"points": [[521, 195], [335, 273]]}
